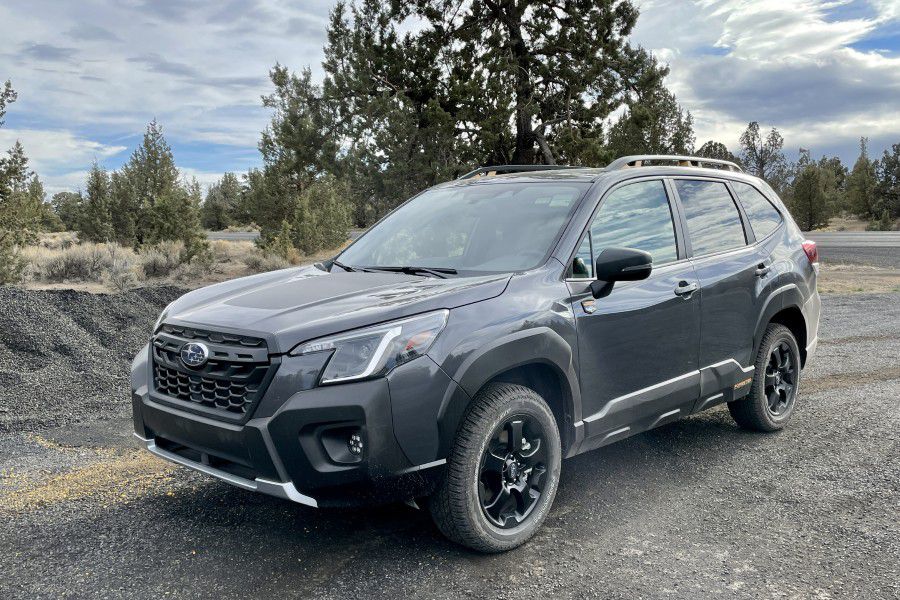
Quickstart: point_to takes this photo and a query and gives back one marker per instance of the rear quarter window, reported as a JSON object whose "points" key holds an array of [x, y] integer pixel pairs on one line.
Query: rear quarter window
{"points": [[764, 217], [713, 220]]}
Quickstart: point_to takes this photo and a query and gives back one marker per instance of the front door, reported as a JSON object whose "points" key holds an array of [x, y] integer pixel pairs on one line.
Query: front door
{"points": [[637, 347]]}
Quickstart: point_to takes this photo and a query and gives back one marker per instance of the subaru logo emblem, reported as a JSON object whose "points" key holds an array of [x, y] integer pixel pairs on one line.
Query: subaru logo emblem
{"points": [[194, 355]]}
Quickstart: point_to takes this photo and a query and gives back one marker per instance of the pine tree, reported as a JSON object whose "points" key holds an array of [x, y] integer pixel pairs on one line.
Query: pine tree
{"points": [[124, 207], [221, 208], [764, 157], [68, 207], [475, 83], [834, 183], [322, 216], [96, 218], [861, 184], [887, 188], [163, 208], [718, 150], [21, 202], [808, 202], [653, 123]]}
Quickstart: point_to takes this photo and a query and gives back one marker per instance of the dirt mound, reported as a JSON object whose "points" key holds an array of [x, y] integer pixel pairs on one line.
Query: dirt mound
{"points": [[65, 355]]}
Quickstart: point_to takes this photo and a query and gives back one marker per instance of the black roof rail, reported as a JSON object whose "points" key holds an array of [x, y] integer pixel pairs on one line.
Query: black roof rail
{"points": [[638, 160], [502, 169]]}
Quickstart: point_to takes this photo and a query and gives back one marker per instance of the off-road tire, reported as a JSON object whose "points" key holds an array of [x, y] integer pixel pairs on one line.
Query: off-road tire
{"points": [[752, 412], [455, 505]]}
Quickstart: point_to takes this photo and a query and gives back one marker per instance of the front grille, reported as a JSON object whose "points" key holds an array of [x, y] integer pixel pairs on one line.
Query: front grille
{"points": [[231, 382]]}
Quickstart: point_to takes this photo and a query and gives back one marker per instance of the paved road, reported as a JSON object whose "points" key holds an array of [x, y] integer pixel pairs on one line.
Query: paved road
{"points": [[694, 509], [238, 236], [233, 236], [872, 248], [856, 239]]}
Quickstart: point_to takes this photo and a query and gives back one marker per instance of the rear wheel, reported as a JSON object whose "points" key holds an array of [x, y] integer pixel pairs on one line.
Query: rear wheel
{"points": [[502, 472], [772, 397]]}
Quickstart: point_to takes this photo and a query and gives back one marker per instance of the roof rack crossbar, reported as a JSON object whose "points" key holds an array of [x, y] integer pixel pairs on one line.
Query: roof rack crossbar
{"points": [[501, 169], [638, 160]]}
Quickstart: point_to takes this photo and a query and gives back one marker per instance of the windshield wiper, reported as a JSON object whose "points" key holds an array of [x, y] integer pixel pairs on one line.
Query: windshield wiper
{"points": [[441, 272], [347, 268]]}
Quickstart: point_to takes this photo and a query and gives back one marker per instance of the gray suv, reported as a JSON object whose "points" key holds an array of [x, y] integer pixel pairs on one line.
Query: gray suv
{"points": [[483, 331]]}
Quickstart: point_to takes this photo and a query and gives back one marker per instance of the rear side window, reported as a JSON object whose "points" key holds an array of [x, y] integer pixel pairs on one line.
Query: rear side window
{"points": [[713, 220], [764, 218], [636, 216]]}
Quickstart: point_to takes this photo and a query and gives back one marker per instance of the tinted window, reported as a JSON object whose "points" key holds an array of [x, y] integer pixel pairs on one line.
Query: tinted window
{"points": [[764, 219], [481, 227], [636, 216], [713, 220]]}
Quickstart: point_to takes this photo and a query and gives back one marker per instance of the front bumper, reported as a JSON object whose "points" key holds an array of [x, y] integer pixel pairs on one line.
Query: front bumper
{"points": [[265, 486], [294, 445]]}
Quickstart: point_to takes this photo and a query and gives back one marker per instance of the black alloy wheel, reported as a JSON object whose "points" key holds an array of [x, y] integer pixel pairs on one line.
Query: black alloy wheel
{"points": [[780, 378], [503, 470], [772, 397], [513, 466]]}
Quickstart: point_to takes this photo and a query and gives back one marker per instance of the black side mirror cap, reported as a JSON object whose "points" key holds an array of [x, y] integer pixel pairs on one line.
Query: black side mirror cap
{"points": [[619, 264]]}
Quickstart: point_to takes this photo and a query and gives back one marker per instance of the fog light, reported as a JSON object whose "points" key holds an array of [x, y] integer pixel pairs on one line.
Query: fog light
{"points": [[355, 444]]}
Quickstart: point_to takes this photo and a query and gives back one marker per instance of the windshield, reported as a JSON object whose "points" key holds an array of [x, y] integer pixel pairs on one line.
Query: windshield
{"points": [[490, 227]]}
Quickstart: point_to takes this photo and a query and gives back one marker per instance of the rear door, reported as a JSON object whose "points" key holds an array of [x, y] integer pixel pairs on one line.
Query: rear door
{"points": [[637, 347], [729, 268]]}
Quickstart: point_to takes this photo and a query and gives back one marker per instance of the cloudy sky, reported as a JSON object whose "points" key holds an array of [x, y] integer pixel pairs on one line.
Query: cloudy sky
{"points": [[91, 74]]}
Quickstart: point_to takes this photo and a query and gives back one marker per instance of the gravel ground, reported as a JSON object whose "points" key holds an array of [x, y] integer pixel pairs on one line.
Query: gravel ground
{"points": [[65, 355], [695, 509]]}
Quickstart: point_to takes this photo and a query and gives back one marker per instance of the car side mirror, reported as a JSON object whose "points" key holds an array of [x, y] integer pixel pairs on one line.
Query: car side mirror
{"points": [[619, 264]]}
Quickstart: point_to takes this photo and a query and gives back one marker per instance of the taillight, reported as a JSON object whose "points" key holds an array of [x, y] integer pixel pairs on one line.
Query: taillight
{"points": [[812, 253]]}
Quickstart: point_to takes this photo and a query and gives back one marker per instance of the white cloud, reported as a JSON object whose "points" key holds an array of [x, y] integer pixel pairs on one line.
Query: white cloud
{"points": [[52, 154], [115, 66], [204, 178], [57, 148], [785, 64]]}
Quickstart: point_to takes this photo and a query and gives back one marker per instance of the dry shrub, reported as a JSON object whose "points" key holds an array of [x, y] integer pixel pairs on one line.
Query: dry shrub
{"points": [[259, 262], [161, 260], [199, 268], [120, 275], [231, 251], [60, 240], [84, 262]]}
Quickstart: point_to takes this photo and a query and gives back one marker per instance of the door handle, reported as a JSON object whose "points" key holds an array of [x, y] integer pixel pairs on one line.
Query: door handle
{"points": [[685, 289], [762, 269]]}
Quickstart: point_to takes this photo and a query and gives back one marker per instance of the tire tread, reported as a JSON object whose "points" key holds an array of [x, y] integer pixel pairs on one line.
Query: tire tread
{"points": [[749, 412], [447, 505]]}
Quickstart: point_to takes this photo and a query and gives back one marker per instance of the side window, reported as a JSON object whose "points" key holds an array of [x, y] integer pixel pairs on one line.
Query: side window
{"points": [[636, 216], [713, 219], [764, 218]]}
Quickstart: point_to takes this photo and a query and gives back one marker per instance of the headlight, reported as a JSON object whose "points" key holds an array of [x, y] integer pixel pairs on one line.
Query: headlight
{"points": [[373, 351]]}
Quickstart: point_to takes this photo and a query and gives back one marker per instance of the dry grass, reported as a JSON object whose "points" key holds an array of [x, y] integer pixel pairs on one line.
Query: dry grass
{"points": [[57, 241], [857, 279], [58, 261], [110, 480], [77, 263], [845, 224]]}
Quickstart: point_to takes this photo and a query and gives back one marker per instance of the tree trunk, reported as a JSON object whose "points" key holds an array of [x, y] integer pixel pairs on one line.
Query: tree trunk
{"points": [[545, 147]]}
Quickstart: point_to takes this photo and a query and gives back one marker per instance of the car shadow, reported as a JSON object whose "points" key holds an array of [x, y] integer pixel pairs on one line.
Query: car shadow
{"points": [[653, 458]]}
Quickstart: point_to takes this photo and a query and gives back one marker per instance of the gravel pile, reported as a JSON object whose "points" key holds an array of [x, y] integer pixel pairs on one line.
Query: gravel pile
{"points": [[65, 355]]}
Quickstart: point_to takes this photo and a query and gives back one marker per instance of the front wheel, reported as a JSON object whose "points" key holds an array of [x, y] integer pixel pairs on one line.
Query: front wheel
{"points": [[771, 400], [502, 472]]}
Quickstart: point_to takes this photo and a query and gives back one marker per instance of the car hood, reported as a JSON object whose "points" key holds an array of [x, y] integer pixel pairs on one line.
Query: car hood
{"points": [[295, 305]]}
